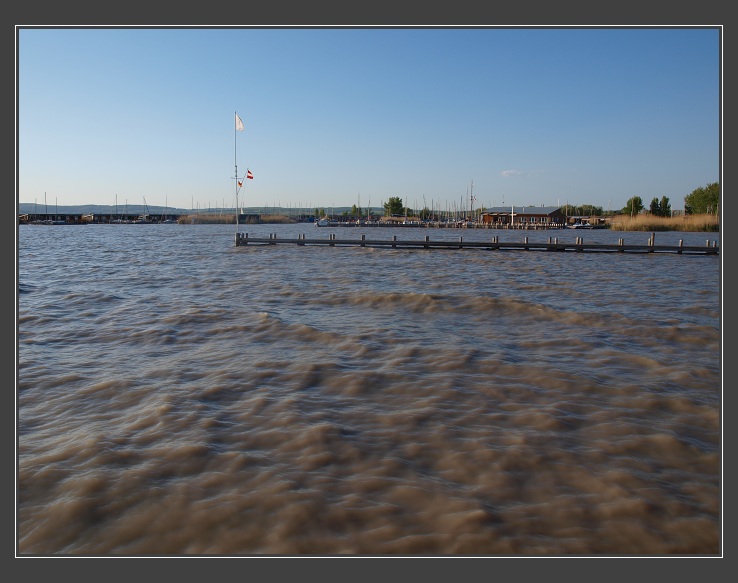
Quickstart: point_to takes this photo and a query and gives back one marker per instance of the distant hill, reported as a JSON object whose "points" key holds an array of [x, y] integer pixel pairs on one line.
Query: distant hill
{"points": [[131, 209], [98, 209]]}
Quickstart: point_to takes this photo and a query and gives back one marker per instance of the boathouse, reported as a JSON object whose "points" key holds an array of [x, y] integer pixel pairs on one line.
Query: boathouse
{"points": [[533, 216]]}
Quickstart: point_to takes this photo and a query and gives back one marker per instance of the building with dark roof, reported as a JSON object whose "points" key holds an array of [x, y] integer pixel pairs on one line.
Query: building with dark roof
{"points": [[534, 216]]}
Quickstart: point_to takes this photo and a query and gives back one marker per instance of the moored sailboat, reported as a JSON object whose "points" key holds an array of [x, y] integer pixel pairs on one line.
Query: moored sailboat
{"points": [[166, 219]]}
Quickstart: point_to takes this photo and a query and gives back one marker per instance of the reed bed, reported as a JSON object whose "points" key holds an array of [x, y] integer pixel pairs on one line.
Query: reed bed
{"points": [[704, 222], [226, 219], [277, 219], [207, 219]]}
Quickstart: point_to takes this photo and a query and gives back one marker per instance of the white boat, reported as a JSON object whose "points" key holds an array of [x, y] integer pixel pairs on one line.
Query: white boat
{"points": [[322, 223], [167, 219], [579, 225], [144, 217]]}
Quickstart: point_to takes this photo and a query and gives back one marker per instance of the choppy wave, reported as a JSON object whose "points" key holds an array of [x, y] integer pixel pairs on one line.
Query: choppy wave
{"points": [[288, 401]]}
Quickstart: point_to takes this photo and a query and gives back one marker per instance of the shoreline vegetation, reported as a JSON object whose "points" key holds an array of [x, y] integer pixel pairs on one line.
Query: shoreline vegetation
{"points": [[649, 222], [642, 222], [220, 219]]}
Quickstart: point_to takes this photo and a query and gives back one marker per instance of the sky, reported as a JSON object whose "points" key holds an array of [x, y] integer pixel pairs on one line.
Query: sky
{"points": [[440, 117]]}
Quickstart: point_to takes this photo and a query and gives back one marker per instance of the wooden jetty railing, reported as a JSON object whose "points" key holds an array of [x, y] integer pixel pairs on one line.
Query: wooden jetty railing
{"points": [[553, 244]]}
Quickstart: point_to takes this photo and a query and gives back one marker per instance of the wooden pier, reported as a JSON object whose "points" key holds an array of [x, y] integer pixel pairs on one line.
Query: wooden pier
{"points": [[553, 244]]}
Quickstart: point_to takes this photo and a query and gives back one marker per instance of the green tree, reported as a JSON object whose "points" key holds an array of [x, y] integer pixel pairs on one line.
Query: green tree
{"points": [[634, 206], [703, 200], [660, 208], [586, 210], [590, 210], [655, 209], [393, 206]]}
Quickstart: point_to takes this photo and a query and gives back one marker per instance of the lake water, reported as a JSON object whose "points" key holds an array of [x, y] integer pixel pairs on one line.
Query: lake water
{"points": [[179, 395]]}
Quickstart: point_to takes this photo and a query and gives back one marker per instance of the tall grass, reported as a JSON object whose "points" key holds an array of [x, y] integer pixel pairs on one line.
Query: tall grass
{"points": [[648, 222], [230, 219], [276, 219]]}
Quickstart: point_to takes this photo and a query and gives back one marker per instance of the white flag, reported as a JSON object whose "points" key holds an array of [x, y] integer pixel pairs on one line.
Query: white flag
{"points": [[239, 124]]}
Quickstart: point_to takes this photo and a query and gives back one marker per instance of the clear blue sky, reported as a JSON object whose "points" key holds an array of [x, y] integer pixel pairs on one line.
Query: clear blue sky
{"points": [[342, 116]]}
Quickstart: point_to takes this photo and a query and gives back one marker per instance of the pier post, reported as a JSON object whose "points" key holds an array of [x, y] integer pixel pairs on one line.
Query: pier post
{"points": [[394, 238], [363, 238], [427, 238], [681, 244]]}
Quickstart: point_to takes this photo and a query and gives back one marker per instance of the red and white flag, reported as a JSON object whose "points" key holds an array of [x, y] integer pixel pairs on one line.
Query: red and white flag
{"points": [[239, 124], [240, 184], [249, 175]]}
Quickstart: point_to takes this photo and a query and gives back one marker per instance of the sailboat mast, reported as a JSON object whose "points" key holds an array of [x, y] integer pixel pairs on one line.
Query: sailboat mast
{"points": [[471, 201]]}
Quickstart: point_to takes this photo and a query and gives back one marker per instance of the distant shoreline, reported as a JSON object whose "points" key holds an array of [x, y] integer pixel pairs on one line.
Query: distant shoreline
{"points": [[641, 222], [693, 223]]}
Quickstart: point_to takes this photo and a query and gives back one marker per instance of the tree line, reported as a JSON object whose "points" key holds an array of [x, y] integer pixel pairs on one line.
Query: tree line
{"points": [[702, 200]]}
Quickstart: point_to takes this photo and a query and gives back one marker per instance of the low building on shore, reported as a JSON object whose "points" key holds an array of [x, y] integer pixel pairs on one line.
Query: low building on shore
{"points": [[543, 216]]}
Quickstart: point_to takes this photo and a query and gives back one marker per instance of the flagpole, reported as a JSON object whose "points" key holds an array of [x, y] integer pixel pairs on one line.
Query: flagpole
{"points": [[235, 163]]}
